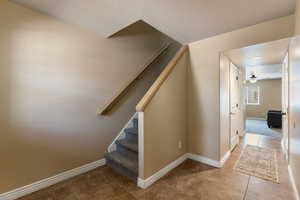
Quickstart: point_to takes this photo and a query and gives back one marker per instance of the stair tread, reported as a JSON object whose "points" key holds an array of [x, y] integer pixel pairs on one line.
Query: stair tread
{"points": [[132, 130], [124, 160], [129, 144]]}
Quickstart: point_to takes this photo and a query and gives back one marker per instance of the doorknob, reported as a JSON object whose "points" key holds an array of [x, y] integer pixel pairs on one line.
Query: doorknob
{"points": [[283, 113]]}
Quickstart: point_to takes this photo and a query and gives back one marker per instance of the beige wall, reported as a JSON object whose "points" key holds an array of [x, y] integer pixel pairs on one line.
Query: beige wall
{"points": [[295, 110], [270, 98], [165, 122], [297, 17], [53, 77], [204, 81]]}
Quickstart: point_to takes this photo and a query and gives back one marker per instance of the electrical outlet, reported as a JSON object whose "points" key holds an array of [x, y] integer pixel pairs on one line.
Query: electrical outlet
{"points": [[179, 144]]}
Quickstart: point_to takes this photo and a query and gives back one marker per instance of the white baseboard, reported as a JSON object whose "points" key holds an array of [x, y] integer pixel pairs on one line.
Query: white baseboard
{"points": [[293, 183], [155, 177], [225, 158], [205, 160], [28, 189]]}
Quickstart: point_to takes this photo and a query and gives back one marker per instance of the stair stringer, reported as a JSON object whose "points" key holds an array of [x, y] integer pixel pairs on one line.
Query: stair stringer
{"points": [[113, 147]]}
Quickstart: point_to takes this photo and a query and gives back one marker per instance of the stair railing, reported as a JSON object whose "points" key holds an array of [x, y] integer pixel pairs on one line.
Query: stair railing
{"points": [[141, 109], [160, 80]]}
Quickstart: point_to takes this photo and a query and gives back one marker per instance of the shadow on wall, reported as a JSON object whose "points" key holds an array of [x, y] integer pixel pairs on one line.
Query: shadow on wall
{"points": [[137, 28], [53, 77]]}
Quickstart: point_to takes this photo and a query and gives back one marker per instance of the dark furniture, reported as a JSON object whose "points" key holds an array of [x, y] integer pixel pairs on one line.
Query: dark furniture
{"points": [[274, 119]]}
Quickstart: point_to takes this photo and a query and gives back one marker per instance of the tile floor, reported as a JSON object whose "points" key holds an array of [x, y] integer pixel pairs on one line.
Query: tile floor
{"points": [[189, 181]]}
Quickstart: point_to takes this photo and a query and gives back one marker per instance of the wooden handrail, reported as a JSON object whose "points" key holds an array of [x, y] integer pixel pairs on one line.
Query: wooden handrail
{"points": [[160, 80], [116, 98]]}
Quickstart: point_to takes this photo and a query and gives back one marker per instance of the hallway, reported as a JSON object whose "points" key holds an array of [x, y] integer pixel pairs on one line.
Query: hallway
{"points": [[260, 189], [189, 181]]}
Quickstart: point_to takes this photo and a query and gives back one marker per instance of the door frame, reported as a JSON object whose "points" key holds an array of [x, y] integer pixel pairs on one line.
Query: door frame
{"points": [[239, 71], [286, 148]]}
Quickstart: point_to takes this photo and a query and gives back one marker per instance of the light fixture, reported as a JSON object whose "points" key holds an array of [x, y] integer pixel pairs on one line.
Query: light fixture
{"points": [[257, 58], [253, 78]]}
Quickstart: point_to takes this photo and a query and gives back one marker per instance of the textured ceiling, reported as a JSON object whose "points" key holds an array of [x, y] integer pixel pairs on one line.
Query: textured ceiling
{"points": [[185, 21]]}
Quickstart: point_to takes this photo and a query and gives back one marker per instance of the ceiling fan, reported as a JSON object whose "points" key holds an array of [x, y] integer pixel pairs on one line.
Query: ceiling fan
{"points": [[253, 78]]}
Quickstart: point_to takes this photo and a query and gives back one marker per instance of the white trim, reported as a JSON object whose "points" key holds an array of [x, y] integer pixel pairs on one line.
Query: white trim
{"points": [[28, 189], [155, 177], [234, 141], [205, 160], [284, 149], [121, 135], [253, 104], [258, 95], [141, 143], [282, 145], [293, 183], [225, 158]]}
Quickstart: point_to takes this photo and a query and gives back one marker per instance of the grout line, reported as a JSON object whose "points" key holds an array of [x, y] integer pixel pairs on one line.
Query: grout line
{"points": [[247, 188]]}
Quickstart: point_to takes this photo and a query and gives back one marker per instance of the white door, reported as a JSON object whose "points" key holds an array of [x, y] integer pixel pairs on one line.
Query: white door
{"points": [[235, 105], [285, 105]]}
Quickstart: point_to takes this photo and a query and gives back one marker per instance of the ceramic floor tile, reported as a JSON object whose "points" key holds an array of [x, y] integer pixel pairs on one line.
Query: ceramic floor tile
{"points": [[64, 193], [189, 181], [126, 196], [44, 194], [259, 189]]}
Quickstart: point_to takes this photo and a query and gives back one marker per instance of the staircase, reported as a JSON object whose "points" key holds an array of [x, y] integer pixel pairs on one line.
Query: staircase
{"points": [[122, 154]]}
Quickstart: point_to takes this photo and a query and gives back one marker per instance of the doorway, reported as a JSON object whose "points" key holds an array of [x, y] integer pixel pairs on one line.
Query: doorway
{"points": [[235, 104], [258, 87]]}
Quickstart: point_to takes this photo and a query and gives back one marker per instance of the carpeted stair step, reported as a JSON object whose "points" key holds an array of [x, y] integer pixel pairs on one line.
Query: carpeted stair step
{"points": [[131, 145], [131, 133], [135, 122], [124, 163]]}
